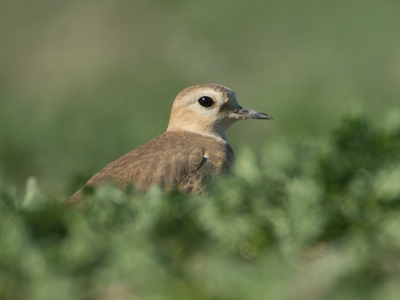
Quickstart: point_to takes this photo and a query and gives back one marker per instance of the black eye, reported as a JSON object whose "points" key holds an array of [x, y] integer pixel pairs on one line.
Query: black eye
{"points": [[206, 101]]}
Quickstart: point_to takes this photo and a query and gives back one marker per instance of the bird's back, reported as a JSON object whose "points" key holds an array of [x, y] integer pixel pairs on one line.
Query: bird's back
{"points": [[175, 159]]}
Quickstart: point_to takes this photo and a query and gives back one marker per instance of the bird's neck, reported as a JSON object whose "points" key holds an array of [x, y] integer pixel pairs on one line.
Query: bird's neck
{"points": [[219, 135]]}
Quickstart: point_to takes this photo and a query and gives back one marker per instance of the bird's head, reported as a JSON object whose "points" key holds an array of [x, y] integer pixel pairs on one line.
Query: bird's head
{"points": [[209, 109]]}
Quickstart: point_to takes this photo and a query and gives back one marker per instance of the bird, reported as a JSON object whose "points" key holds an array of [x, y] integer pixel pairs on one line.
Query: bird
{"points": [[193, 148]]}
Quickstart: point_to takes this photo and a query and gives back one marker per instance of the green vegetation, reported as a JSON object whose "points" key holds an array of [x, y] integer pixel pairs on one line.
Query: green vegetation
{"points": [[297, 221]]}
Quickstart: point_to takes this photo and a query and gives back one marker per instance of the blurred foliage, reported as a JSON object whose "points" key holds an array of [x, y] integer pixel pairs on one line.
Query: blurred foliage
{"points": [[297, 220]]}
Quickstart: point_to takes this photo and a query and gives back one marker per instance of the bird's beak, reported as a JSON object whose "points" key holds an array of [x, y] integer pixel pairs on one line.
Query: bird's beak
{"points": [[246, 113]]}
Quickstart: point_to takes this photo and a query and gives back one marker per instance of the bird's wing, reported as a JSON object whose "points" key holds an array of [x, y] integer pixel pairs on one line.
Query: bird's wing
{"points": [[167, 162], [169, 167]]}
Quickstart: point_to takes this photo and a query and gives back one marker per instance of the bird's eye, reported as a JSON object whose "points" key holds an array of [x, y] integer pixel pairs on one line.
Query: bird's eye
{"points": [[206, 101]]}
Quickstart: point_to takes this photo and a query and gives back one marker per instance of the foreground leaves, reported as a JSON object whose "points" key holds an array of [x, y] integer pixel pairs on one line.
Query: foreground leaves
{"points": [[297, 221]]}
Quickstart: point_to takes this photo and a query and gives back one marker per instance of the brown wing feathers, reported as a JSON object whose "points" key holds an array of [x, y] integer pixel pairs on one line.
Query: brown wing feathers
{"points": [[168, 161]]}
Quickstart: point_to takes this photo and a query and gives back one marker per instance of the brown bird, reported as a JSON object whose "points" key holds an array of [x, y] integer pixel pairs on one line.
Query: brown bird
{"points": [[193, 146]]}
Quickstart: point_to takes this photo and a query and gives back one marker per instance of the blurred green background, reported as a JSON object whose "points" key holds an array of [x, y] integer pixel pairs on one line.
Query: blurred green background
{"points": [[83, 82], [313, 208]]}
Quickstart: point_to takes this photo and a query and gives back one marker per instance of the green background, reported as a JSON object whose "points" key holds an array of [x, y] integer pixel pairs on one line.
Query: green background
{"points": [[312, 209], [83, 82]]}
